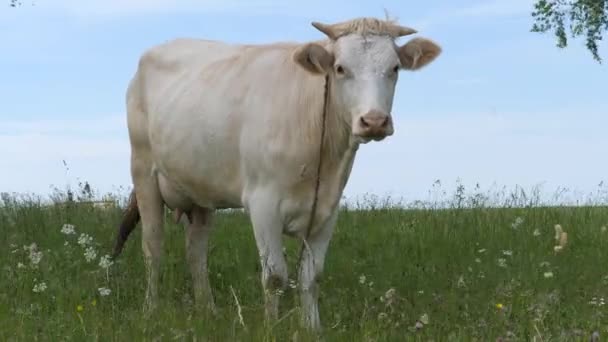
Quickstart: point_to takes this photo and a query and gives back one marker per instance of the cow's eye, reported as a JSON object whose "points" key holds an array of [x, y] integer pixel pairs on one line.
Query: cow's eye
{"points": [[340, 69], [396, 68]]}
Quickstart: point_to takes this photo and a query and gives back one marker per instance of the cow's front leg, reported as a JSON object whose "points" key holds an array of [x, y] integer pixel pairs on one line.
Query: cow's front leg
{"points": [[197, 242], [311, 268], [268, 230]]}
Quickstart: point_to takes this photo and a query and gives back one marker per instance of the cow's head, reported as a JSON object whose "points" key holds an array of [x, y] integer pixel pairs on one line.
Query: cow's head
{"points": [[363, 63]]}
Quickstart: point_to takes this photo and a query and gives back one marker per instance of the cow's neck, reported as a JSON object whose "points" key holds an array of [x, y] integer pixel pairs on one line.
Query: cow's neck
{"points": [[338, 153]]}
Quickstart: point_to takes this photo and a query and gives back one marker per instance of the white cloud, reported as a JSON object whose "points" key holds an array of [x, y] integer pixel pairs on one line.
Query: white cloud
{"points": [[101, 8]]}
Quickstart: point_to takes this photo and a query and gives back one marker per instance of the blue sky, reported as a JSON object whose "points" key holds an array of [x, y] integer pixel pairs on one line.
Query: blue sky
{"points": [[501, 105]]}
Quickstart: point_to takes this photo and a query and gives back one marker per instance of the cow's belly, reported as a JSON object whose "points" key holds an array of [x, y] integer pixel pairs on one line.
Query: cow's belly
{"points": [[198, 165], [202, 186]]}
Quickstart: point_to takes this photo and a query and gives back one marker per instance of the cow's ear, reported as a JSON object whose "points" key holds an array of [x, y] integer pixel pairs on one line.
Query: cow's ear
{"points": [[314, 58], [418, 53]]}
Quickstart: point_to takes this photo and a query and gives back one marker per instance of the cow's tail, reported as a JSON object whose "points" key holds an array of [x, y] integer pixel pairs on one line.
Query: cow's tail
{"points": [[130, 219]]}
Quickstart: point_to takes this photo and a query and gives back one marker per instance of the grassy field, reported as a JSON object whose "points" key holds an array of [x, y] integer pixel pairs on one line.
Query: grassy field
{"points": [[461, 274]]}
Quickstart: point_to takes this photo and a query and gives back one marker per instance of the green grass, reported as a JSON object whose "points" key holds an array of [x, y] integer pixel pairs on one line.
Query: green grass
{"points": [[442, 263]]}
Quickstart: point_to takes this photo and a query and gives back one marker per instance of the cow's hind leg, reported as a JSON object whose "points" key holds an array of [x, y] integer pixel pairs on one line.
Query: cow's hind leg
{"points": [[311, 268], [197, 242], [268, 228], [151, 206]]}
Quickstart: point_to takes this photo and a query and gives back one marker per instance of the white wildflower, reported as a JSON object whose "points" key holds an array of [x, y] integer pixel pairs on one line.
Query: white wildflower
{"points": [[40, 287], [20, 265], [90, 254], [35, 256], [536, 232], [362, 279], [389, 296], [461, 283], [292, 283], [481, 250], [603, 229], [105, 261], [84, 239], [507, 253], [558, 232], [517, 223], [68, 229], [33, 246], [597, 301], [424, 319], [502, 262], [548, 274], [103, 291], [477, 260]]}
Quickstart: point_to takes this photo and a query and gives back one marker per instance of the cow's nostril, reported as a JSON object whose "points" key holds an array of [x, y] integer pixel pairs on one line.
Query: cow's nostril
{"points": [[385, 122], [364, 123]]}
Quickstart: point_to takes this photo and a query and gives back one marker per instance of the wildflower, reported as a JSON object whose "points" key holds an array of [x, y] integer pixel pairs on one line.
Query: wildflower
{"points": [[418, 325], [481, 250], [35, 256], [40, 287], [79, 308], [548, 274], [104, 291], [292, 283], [84, 239], [558, 232], [595, 301], [90, 254], [424, 319], [603, 229], [536, 232], [499, 306], [68, 229], [66, 243], [517, 223], [105, 261], [507, 253], [545, 264], [389, 296], [461, 283], [20, 265], [477, 260], [31, 247], [563, 239], [502, 262], [362, 279]]}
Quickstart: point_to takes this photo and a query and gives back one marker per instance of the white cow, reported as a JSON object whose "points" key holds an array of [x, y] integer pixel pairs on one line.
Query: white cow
{"points": [[214, 125]]}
